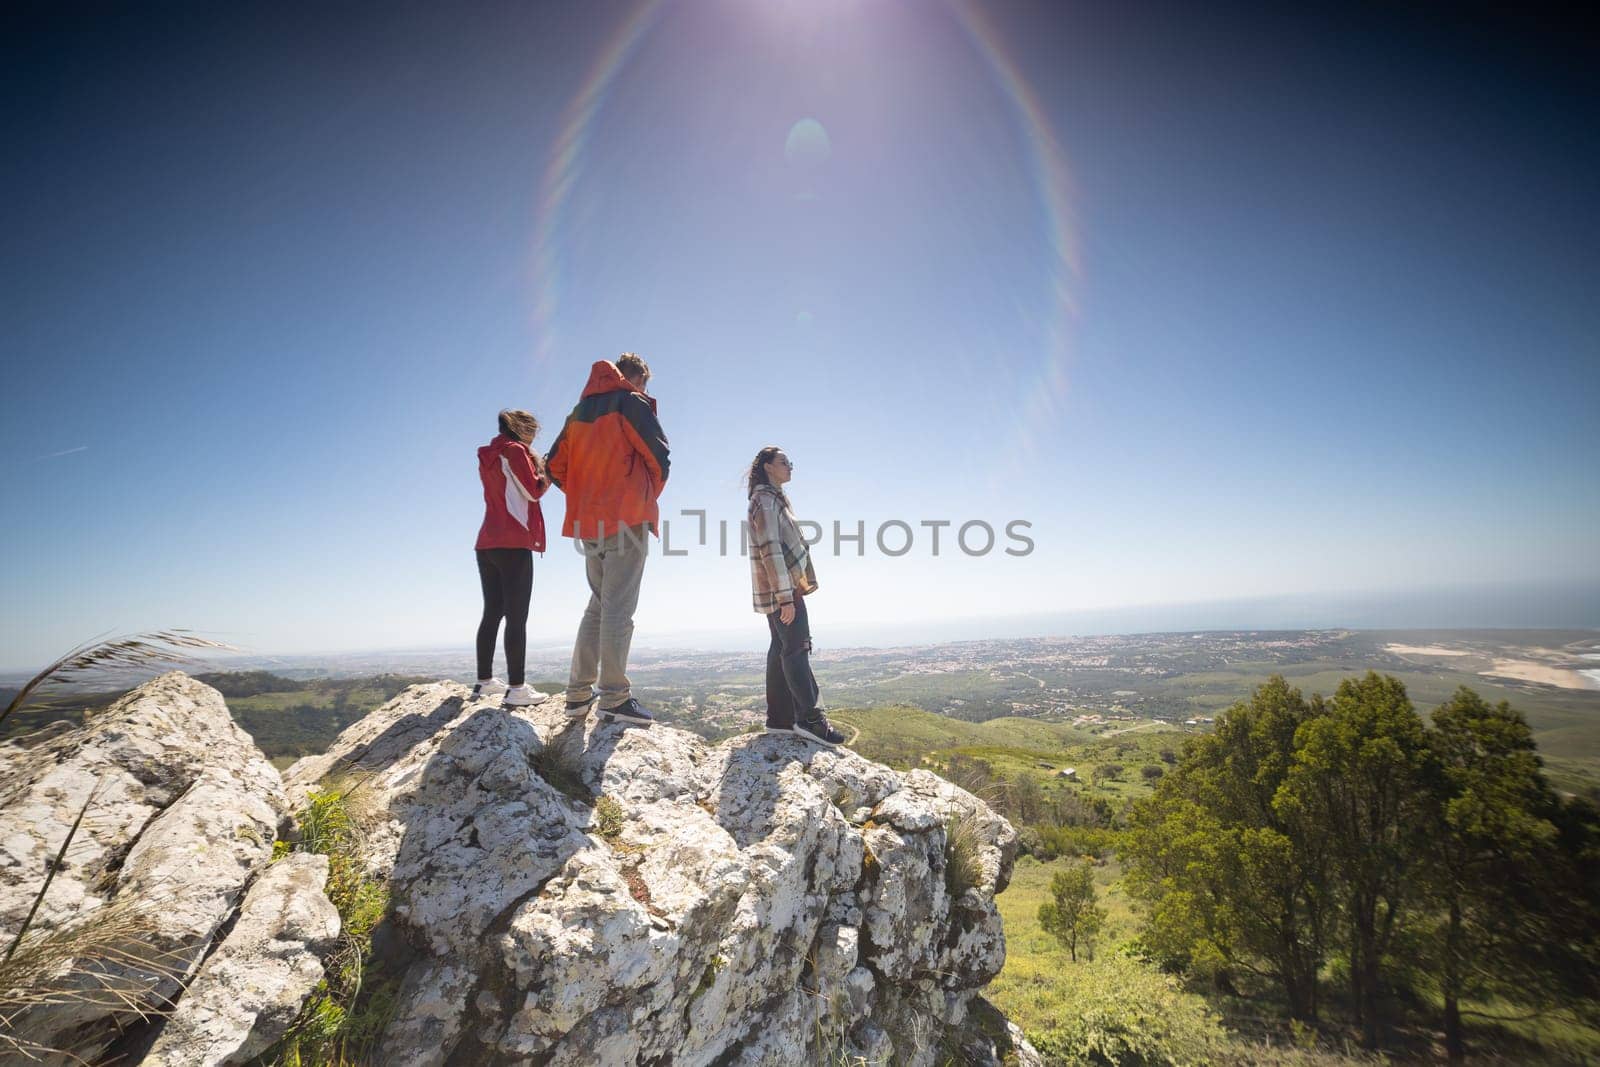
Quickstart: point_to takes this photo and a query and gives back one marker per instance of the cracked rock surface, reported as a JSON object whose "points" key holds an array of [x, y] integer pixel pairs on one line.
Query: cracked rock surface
{"points": [[560, 892], [250, 990], [600, 894], [182, 812]]}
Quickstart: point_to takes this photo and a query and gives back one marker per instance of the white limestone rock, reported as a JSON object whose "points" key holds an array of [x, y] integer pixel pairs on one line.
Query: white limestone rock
{"points": [[184, 812], [252, 987], [761, 901]]}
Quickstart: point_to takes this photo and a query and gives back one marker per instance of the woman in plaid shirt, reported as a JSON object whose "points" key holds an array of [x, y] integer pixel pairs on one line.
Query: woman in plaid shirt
{"points": [[781, 577]]}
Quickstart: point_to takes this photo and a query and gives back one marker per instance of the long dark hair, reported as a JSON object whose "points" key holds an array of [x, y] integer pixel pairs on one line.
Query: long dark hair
{"points": [[757, 474]]}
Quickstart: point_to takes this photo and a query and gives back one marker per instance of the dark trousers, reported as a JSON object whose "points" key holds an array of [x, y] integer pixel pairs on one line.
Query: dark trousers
{"points": [[791, 687], [507, 578]]}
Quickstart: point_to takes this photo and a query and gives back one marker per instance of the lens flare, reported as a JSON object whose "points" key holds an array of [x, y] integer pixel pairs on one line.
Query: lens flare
{"points": [[807, 145]]}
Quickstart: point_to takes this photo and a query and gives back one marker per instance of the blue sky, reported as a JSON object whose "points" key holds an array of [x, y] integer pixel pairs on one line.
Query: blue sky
{"points": [[1334, 317]]}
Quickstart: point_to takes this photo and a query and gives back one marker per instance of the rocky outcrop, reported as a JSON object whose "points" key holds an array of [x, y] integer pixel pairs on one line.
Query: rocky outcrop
{"points": [[249, 991], [559, 892], [585, 893], [181, 814]]}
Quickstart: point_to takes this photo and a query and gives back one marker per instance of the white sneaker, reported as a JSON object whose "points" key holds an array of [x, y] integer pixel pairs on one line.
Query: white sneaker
{"points": [[485, 690], [520, 696]]}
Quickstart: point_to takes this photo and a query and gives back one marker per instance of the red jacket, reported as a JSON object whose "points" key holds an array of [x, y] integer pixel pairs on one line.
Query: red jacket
{"points": [[610, 458], [512, 486]]}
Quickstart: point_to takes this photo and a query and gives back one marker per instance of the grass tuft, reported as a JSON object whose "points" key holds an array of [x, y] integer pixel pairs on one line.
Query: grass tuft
{"points": [[347, 1012], [963, 855], [560, 763]]}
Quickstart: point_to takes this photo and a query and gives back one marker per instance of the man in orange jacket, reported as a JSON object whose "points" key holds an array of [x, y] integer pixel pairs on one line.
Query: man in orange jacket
{"points": [[611, 461]]}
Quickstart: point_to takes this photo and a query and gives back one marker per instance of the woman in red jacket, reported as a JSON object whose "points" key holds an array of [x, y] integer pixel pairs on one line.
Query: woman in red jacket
{"points": [[513, 530]]}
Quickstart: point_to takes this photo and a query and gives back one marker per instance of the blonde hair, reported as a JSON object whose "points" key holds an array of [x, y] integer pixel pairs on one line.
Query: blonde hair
{"points": [[518, 423]]}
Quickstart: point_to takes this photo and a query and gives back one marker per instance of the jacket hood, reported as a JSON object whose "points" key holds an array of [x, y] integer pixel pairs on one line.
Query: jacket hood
{"points": [[604, 377], [489, 455]]}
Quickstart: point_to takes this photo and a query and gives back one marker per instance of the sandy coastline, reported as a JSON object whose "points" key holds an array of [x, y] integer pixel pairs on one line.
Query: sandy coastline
{"points": [[1527, 671]]}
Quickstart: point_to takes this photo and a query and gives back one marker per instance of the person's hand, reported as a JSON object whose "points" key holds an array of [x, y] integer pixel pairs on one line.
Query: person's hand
{"points": [[786, 614]]}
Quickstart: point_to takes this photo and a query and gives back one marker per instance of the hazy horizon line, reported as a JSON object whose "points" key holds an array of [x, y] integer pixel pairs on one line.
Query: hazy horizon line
{"points": [[1545, 606]]}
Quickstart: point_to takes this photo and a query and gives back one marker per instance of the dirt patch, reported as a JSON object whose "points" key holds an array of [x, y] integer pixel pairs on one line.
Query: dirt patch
{"points": [[1527, 671], [1424, 650]]}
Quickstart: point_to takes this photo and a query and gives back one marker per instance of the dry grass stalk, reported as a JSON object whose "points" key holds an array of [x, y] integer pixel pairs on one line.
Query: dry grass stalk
{"points": [[109, 961], [111, 655], [50, 875]]}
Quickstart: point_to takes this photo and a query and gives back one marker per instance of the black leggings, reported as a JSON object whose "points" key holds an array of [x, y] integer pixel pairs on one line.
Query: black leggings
{"points": [[507, 577]]}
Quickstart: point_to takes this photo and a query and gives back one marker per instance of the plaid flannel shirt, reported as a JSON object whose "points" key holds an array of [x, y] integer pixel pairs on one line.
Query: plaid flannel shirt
{"points": [[780, 562]]}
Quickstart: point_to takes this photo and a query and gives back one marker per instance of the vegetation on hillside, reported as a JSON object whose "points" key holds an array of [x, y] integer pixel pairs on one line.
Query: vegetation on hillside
{"points": [[287, 718], [1346, 842], [1315, 874], [1071, 915]]}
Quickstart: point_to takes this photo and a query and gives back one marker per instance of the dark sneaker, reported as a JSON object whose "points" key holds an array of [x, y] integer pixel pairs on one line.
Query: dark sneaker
{"points": [[578, 709], [628, 711], [774, 728], [820, 731]]}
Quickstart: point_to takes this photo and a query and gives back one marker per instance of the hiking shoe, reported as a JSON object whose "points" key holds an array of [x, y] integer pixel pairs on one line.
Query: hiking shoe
{"points": [[577, 709], [820, 731], [484, 690], [628, 711], [520, 696]]}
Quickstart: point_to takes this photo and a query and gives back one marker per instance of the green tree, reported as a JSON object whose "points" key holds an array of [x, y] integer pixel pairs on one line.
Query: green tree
{"points": [[1021, 798], [1233, 880], [1360, 779], [1108, 772], [1071, 914], [1492, 849], [976, 776], [1575, 912]]}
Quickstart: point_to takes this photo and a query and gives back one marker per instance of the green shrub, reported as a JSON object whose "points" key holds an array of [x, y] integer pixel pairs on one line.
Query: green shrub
{"points": [[608, 818], [1051, 842], [1121, 1012]]}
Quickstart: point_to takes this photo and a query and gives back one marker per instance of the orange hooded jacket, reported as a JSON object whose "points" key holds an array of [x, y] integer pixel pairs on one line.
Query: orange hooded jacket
{"points": [[610, 459]]}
